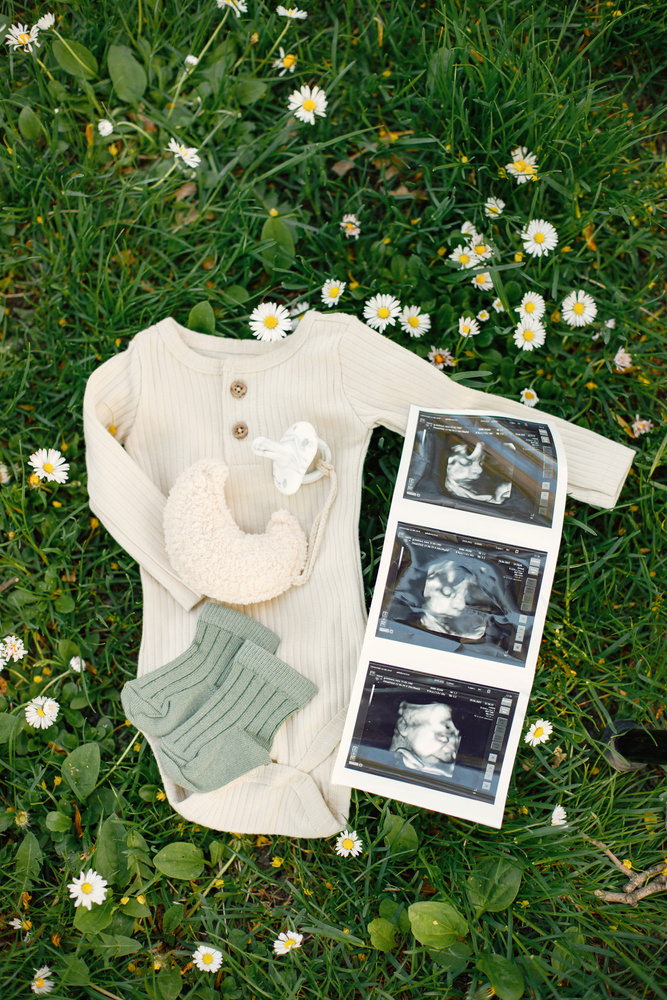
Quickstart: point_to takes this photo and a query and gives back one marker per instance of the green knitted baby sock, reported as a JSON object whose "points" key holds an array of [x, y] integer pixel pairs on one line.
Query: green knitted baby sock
{"points": [[233, 731], [160, 701]]}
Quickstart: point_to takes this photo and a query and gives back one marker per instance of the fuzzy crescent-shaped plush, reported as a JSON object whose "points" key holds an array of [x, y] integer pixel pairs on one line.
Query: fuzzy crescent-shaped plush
{"points": [[213, 556]]}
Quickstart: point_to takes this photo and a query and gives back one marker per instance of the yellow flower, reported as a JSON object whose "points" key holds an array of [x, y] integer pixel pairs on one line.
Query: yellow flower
{"points": [[277, 862], [627, 863], [160, 796]]}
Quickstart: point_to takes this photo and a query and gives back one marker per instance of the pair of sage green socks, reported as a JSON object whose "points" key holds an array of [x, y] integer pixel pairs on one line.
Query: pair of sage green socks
{"points": [[217, 706]]}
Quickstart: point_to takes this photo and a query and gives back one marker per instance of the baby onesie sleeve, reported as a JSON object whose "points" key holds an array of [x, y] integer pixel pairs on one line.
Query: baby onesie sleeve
{"points": [[381, 379], [126, 501]]}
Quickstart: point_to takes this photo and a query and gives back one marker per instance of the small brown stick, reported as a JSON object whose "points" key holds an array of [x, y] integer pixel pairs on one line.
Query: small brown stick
{"points": [[8, 583], [638, 886]]}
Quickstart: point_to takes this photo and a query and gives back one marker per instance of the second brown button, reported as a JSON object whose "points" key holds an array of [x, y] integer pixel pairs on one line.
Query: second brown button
{"points": [[238, 389], [240, 431]]}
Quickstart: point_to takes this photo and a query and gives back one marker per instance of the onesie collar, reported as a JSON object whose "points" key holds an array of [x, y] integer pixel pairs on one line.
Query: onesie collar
{"points": [[213, 355]]}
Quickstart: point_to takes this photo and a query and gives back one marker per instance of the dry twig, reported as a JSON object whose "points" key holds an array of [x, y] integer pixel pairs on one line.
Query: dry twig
{"points": [[638, 886]]}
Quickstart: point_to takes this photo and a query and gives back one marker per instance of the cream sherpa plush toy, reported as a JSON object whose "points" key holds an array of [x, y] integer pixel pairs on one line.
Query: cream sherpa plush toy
{"points": [[213, 556]]}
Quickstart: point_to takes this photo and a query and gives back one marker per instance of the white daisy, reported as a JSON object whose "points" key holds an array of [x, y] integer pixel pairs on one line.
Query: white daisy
{"points": [[41, 981], [350, 225], [640, 427], [610, 324], [532, 306], [46, 21], [332, 291], [622, 360], [348, 843], [539, 237], [4, 474], [238, 6], [559, 817], [19, 37], [414, 321], [77, 664], [49, 464], [523, 166], [481, 249], [441, 357], [493, 207], [468, 229], [207, 959], [41, 712], [306, 103], [12, 647], [498, 306], [539, 732], [104, 127], [297, 312], [286, 942], [483, 281], [269, 321], [186, 153], [87, 889], [579, 308], [529, 334], [191, 61], [286, 63], [293, 12], [22, 819], [468, 327], [381, 311], [16, 923], [529, 397], [464, 256]]}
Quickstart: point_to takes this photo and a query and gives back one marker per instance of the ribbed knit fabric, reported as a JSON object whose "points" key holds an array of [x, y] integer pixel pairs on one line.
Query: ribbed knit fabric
{"points": [[160, 701], [169, 397], [233, 730]]}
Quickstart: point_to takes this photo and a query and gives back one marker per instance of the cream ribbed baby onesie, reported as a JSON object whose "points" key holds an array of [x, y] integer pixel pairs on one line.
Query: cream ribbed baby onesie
{"points": [[176, 397]]}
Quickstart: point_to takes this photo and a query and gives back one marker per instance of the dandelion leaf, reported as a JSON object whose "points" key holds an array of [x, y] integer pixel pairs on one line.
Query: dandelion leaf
{"points": [[503, 975], [81, 768], [494, 885], [27, 862], [128, 75], [436, 924]]}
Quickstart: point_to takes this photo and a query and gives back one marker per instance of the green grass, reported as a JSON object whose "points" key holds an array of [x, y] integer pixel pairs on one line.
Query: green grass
{"points": [[100, 237]]}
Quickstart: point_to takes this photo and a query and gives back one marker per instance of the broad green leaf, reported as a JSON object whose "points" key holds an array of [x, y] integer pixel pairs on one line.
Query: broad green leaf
{"points": [[6, 819], [383, 934], [64, 604], [95, 919], [454, 959], [217, 851], [119, 945], [172, 918], [58, 822], [565, 955], [10, 725], [503, 975], [170, 984], [436, 925], [133, 908], [29, 124], [248, 90], [128, 76], [81, 769], [493, 885], [282, 254], [72, 971], [109, 858], [180, 860], [27, 862], [236, 294], [400, 836], [202, 318], [396, 913], [67, 649], [74, 58]]}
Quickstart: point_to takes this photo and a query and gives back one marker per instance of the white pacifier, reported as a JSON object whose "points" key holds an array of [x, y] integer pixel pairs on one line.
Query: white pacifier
{"points": [[293, 455]]}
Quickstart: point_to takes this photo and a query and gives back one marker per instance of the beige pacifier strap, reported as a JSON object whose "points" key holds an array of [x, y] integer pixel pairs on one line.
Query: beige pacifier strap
{"points": [[319, 524]]}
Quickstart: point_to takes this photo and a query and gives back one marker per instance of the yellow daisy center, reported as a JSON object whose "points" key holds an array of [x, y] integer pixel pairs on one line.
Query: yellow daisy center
{"points": [[309, 104], [529, 394], [290, 943], [348, 844], [270, 321], [480, 248], [529, 307], [520, 165], [492, 210], [539, 731], [349, 225], [383, 312], [47, 467], [464, 258], [289, 61], [480, 278], [334, 292], [528, 335], [87, 888], [39, 983], [413, 321], [465, 329], [24, 38], [439, 358], [578, 308], [529, 169], [538, 237], [181, 150], [207, 958], [40, 711]]}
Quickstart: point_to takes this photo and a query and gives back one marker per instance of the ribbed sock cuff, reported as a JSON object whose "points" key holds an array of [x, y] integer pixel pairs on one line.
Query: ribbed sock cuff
{"points": [[238, 624]]}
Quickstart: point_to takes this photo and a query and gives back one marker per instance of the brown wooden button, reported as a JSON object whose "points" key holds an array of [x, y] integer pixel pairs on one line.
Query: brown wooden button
{"points": [[240, 431], [238, 389]]}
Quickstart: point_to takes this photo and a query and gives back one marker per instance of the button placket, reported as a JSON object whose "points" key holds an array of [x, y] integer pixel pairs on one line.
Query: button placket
{"points": [[240, 431]]}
